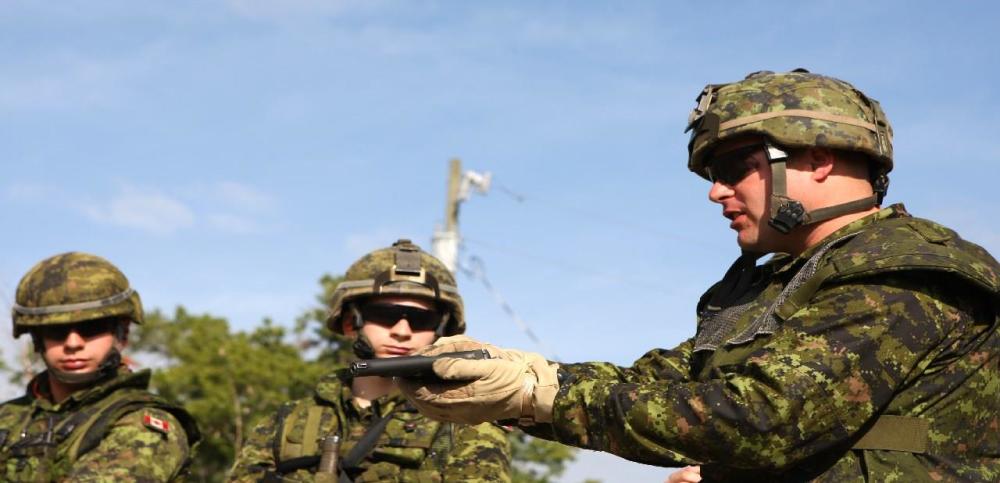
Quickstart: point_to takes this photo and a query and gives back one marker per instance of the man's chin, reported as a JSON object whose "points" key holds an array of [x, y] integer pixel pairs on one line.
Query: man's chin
{"points": [[746, 241]]}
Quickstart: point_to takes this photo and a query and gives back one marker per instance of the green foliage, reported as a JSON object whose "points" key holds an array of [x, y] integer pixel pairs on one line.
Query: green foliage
{"points": [[537, 460], [310, 327], [228, 381]]}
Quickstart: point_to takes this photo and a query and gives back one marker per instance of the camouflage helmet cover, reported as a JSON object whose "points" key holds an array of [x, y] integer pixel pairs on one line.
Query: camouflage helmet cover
{"points": [[796, 109], [73, 287], [401, 269]]}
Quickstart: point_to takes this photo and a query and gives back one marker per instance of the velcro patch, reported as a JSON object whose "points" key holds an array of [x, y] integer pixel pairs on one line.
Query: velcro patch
{"points": [[156, 424]]}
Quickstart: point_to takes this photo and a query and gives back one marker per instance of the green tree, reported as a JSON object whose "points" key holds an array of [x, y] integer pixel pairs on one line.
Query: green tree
{"points": [[538, 460], [228, 381], [334, 350]]}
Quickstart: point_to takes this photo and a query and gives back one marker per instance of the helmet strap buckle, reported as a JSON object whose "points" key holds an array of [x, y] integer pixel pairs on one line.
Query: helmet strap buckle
{"points": [[790, 214], [880, 186]]}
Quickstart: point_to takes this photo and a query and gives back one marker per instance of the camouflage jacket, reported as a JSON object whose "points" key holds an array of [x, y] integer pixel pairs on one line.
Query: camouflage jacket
{"points": [[873, 356], [412, 448], [114, 431]]}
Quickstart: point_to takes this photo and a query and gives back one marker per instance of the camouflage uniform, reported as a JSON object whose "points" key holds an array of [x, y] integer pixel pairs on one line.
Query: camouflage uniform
{"points": [[113, 428], [412, 448], [114, 431], [873, 355], [891, 316]]}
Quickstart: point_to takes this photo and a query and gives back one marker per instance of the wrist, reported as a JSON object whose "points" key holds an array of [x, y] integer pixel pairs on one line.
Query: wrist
{"points": [[541, 386]]}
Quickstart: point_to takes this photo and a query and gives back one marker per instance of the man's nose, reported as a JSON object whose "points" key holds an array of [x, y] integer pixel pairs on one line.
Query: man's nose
{"points": [[402, 327], [73, 339], [719, 191]]}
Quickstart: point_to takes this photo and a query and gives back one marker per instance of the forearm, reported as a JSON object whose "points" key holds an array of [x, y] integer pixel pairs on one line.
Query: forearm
{"points": [[742, 421]]}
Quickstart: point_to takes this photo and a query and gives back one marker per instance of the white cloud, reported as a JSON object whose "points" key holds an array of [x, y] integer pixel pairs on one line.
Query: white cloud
{"points": [[73, 80], [229, 222], [27, 192], [145, 210], [245, 197], [281, 9]]}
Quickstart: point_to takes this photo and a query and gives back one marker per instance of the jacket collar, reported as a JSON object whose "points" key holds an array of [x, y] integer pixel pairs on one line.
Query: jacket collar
{"points": [[785, 262]]}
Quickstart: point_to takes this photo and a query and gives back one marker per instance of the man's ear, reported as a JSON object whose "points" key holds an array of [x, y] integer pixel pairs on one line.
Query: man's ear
{"points": [[821, 161]]}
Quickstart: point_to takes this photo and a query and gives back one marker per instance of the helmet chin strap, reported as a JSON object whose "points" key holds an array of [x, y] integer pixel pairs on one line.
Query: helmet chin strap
{"points": [[106, 370], [787, 213], [445, 318], [362, 347]]}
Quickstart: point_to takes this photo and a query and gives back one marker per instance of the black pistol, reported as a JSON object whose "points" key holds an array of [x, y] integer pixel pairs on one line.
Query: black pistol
{"points": [[413, 367]]}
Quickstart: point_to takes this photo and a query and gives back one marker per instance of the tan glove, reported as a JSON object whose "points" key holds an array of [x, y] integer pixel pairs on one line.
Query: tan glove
{"points": [[510, 385]]}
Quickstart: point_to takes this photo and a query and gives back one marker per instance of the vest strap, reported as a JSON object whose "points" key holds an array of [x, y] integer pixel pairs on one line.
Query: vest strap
{"points": [[309, 439]]}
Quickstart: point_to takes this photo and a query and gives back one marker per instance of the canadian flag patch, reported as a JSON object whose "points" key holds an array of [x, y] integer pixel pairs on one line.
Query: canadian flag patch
{"points": [[156, 424]]}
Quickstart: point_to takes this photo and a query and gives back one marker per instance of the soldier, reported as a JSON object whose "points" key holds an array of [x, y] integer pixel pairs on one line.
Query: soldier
{"points": [[866, 349], [393, 301], [87, 417]]}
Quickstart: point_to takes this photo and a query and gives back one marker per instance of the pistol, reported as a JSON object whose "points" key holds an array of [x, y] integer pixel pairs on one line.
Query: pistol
{"points": [[413, 367]]}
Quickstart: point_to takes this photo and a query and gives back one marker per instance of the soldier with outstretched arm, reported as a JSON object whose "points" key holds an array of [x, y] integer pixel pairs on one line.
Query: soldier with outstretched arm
{"points": [[867, 348]]}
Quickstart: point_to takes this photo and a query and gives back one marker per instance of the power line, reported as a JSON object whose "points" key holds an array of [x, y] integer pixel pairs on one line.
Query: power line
{"points": [[476, 270], [605, 218], [564, 265]]}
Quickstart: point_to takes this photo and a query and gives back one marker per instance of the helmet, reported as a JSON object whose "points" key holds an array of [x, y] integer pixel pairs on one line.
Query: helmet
{"points": [[401, 269], [795, 109], [73, 287]]}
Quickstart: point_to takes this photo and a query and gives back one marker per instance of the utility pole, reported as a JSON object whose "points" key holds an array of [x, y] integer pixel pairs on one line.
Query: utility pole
{"points": [[451, 209], [446, 239]]}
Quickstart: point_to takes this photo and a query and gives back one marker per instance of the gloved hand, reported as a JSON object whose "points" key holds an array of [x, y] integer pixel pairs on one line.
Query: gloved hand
{"points": [[510, 385]]}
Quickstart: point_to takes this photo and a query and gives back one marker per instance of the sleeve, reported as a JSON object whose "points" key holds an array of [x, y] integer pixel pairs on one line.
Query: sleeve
{"points": [[256, 456], [810, 386], [147, 445], [656, 365], [479, 453]]}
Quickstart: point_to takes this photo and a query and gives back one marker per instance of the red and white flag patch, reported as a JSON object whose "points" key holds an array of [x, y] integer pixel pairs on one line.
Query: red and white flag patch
{"points": [[156, 424]]}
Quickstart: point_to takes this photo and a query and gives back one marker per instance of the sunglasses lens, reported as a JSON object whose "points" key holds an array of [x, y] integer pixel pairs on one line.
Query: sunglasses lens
{"points": [[389, 315], [59, 332], [730, 168], [86, 330]]}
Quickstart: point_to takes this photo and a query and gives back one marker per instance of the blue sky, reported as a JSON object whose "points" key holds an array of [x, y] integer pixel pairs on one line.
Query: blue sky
{"points": [[226, 154]]}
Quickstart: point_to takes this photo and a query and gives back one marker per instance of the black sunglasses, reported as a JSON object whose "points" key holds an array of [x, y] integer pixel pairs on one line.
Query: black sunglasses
{"points": [[731, 167], [87, 330], [390, 314]]}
